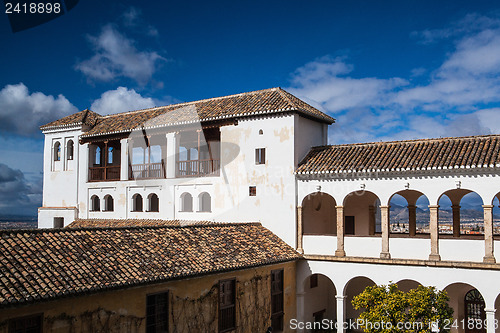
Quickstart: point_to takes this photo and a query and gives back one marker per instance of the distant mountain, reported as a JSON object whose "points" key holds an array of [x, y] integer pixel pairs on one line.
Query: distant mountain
{"points": [[399, 214], [18, 222]]}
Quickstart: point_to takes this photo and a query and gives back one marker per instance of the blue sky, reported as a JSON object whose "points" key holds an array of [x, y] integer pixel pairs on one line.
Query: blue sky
{"points": [[386, 70]]}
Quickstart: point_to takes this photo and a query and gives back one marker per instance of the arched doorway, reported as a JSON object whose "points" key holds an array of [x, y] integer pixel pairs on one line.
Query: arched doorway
{"points": [[457, 293], [319, 298], [474, 312]]}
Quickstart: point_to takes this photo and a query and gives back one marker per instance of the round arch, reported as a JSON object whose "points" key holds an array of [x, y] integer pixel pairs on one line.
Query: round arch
{"points": [[457, 293], [319, 298], [319, 214], [409, 212], [361, 213], [354, 287], [406, 285], [454, 219]]}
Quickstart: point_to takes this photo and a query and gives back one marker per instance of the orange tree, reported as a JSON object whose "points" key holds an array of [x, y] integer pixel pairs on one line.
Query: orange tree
{"points": [[387, 309]]}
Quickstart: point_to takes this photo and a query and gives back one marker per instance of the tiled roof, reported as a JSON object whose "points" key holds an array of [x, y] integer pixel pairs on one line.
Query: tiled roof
{"points": [[121, 223], [425, 154], [44, 264], [259, 102], [85, 117]]}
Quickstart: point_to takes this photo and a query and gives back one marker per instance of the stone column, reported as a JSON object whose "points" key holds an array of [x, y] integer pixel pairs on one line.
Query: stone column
{"points": [[124, 160], [340, 313], [340, 252], [434, 231], [300, 309], [385, 220], [371, 220], [456, 220], [300, 248], [489, 256], [412, 220], [490, 320], [171, 154]]}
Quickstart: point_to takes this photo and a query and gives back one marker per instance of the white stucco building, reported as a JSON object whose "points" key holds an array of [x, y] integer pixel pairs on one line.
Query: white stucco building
{"points": [[250, 157]]}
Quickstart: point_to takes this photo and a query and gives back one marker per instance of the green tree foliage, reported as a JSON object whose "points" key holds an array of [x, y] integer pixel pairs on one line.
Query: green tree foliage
{"points": [[387, 309]]}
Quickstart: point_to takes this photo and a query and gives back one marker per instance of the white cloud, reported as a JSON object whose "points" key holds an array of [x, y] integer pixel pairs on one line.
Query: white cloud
{"points": [[324, 81], [22, 112], [120, 100], [456, 100], [116, 56]]}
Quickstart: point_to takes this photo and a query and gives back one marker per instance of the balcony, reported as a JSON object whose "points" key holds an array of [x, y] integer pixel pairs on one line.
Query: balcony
{"points": [[108, 173], [198, 168], [147, 171]]}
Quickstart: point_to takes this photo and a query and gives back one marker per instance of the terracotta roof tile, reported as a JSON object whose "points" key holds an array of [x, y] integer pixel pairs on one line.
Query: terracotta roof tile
{"points": [[120, 223], [43, 264], [85, 117], [443, 153], [259, 102]]}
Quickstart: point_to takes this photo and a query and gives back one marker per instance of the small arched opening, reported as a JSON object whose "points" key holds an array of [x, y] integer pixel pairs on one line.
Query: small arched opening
{"points": [[186, 202], [95, 203], [108, 203], [137, 203], [153, 203], [205, 202]]}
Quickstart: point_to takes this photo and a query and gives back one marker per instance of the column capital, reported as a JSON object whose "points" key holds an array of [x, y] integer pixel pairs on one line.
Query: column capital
{"points": [[340, 297], [411, 206], [337, 207], [385, 206], [490, 310], [433, 206], [456, 206], [488, 206]]}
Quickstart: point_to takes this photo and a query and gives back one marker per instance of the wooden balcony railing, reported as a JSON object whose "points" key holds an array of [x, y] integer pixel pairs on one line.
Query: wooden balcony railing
{"points": [[198, 168], [147, 171], [108, 173]]}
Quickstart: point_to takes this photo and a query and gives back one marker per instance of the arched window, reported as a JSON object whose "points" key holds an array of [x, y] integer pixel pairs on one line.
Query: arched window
{"points": [[186, 202], [205, 202], [108, 203], [137, 203], [95, 204], [98, 156], [261, 132], [474, 308], [69, 150], [111, 151], [57, 151], [153, 203]]}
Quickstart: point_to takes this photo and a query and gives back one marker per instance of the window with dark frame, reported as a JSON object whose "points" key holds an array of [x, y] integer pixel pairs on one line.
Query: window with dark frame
{"points": [[154, 203], [69, 150], [227, 305], [58, 222], [157, 313], [252, 191], [137, 203], [108, 203], [28, 324], [260, 156], [57, 151], [95, 204], [277, 300]]}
